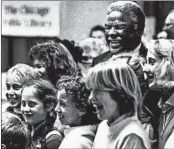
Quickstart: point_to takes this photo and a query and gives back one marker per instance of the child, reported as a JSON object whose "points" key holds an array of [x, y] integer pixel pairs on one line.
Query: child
{"points": [[14, 133], [16, 77], [38, 108], [74, 111]]}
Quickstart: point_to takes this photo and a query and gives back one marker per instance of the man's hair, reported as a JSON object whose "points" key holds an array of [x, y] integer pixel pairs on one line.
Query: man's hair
{"points": [[14, 132], [96, 28], [131, 9]]}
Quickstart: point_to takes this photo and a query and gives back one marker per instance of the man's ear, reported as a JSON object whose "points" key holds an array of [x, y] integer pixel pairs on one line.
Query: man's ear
{"points": [[3, 146]]}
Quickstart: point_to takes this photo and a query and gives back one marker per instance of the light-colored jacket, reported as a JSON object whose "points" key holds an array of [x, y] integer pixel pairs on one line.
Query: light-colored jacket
{"points": [[80, 137], [123, 134]]}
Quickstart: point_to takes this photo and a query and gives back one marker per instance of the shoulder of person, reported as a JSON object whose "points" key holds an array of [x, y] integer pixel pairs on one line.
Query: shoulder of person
{"points": [[53, 140], [131, 141], [135, 128], [79, 137], [55, 133], [6, 107], [100, 58], [88, 130]]}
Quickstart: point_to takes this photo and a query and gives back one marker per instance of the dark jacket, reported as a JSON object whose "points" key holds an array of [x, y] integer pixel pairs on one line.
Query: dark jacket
{"points": [[166, 122], [45, 137], [107, 55]]}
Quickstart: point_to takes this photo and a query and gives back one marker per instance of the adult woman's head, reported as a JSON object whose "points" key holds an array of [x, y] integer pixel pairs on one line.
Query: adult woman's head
{"points": [[72, 100], [52, 60], [38, 102], [157, 65], [115, 90], [16, 77]]}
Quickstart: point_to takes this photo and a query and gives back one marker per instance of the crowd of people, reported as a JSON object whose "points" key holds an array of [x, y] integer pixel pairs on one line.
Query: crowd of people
{"points": [[111, 90]]}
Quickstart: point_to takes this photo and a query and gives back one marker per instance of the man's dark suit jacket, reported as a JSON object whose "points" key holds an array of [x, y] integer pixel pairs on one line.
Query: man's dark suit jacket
{"points": [[107, 55]]}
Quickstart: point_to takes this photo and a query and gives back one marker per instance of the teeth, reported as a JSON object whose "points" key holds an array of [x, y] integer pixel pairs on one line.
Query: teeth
{"points": [[97, 107], [28, 115], [114, 42]]}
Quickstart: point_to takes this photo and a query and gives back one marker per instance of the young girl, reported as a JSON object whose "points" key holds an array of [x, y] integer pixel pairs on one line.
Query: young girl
{"points": [[16, 77], [74, 111], [37, 106]]}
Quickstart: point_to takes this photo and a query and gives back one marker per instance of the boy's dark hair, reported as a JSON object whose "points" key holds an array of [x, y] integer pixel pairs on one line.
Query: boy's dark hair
{"points": [[14, 132], [96, 28]]}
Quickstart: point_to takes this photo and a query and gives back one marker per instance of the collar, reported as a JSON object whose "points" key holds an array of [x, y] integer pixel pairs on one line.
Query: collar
{"points": [[84, 127], [166, 106], [120, 123], [136, 51], [120, 119], [170, 101], [133, 53], [41, 130]]}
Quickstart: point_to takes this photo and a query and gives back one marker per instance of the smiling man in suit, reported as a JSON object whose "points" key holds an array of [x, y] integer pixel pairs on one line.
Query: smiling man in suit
{"points": [[124, 27]]}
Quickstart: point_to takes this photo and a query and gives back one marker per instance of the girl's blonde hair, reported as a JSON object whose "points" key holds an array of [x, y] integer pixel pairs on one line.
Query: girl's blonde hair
{"points": [[162, 48], [116, 76], [22, 72]]}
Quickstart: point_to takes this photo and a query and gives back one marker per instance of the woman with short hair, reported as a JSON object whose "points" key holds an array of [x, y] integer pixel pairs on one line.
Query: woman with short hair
{"points": [[52, 60], [116, 96]]}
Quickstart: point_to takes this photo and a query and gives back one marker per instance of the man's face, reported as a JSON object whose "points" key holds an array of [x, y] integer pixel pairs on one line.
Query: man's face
{"points": [[120, 31], [169, 26], [99, 34]]}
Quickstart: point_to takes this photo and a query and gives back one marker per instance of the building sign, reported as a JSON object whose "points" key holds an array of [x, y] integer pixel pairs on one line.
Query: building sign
{"points": [[30, 18]]}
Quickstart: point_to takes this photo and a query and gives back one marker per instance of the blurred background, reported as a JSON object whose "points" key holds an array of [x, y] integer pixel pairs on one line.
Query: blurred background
{"points": [[70, 20]]}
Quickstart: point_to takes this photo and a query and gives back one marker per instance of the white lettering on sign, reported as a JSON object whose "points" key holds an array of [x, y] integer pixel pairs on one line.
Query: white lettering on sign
{"points": [[30, 18]]}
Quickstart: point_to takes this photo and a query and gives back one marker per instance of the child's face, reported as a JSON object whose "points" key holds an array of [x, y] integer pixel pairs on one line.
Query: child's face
{"points": [[40, 66], [32, 108], [13, 92], [67, 111]]}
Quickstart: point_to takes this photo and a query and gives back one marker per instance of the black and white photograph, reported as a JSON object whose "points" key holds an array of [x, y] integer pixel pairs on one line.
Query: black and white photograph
{"points": [[87, 74]]}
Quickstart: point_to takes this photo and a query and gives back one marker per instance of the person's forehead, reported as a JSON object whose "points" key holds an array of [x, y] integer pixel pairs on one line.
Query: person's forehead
{"points": [[64, 96], [170, 18], [98, 33], [117, 16], [28, 93], [13, 78], [151, 54]]}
